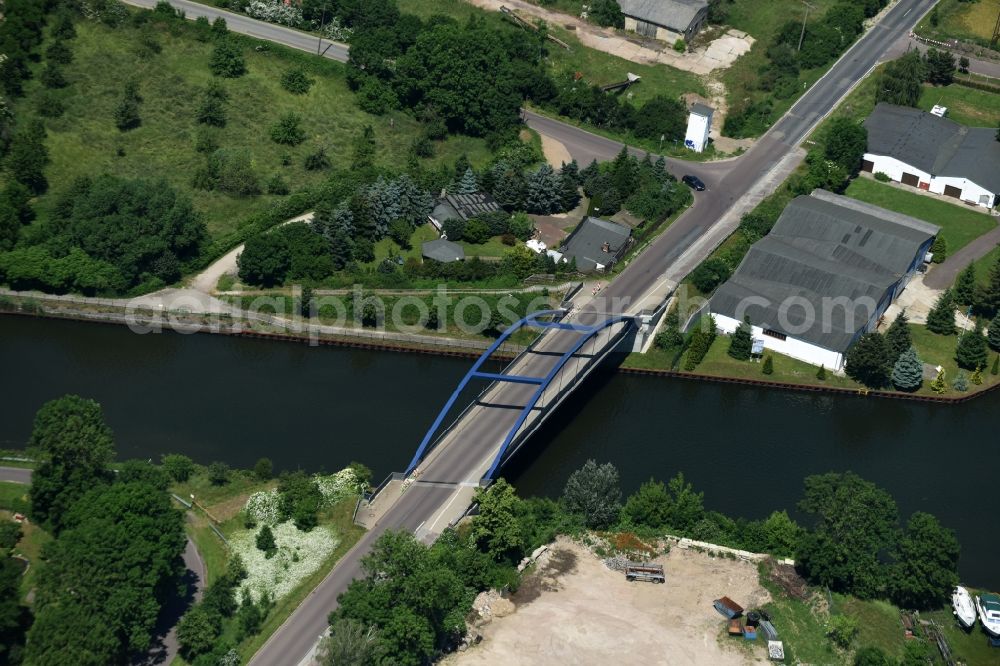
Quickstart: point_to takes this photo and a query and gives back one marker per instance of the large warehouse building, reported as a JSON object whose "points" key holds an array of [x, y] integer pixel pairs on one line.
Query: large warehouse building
{"points": [[823, 277], [666, 20], [932, 153]]}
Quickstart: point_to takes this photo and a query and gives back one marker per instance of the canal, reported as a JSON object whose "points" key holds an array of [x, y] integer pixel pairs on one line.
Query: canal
{"points": [[236, 400]]}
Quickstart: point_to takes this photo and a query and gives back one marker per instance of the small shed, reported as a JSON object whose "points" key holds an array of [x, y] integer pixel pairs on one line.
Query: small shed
{"points": [[442, 250], [698, 127]]}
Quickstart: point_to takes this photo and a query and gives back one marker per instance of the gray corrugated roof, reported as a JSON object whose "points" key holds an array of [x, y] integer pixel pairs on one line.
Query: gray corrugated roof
{"points": [[471, 205], [823, 247], [586, 243], [675, 14], [442, 250], [702, 109], [938, 146]]}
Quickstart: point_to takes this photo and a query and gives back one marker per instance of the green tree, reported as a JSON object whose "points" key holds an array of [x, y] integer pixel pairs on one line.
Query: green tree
{"points": [[686, 506], [288, 130], [265, 541], [781, 534], [902, 81], [742, 341], [940, 67], [317, 160], [495, 529], [218, 473], [846, 143], [995, 369], [710, 274], [300, 499], [607, 13], [925, 570], [250, 615], [941, 318], [227, 57], [821, 373], [68, 633], [939, 250], [972, 352], [545, 191], [872, 656], [77, 445], [296, 81], [908, 371], [127, 111], [179, 467], [52, 76], [938, 385], [767, 367], [212, 108], [965, 286], [467, 183], [897, 338], [868, 361], [58, 52], [994, 334], [265, 260], [593, 491], [364, 149], [27, 156], [988, 299], [854, 526], [350, 643], [198, 630], [649, 506], [843, 630], [263, 469]]}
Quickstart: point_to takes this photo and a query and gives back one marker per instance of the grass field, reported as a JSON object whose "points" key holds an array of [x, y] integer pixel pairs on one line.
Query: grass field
{"points": [[986, 264], [968, 106], [85, 141], [959, 224], [972, 21]]}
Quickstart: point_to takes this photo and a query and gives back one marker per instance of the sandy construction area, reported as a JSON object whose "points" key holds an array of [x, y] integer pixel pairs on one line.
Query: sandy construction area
{"points": [[574, 610]]}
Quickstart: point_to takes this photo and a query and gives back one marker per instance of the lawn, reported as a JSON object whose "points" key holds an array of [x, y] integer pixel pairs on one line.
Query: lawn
{"points": [[968, 106], [85, 141], [14, 499], [959, 224], [969, 647], [972, 21], [986, 264], [940, 350]]}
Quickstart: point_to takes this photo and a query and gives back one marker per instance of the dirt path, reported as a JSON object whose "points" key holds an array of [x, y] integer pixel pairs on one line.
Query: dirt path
{"points": [[206, 281], [555, 152], [574, 610], [719, 53]]}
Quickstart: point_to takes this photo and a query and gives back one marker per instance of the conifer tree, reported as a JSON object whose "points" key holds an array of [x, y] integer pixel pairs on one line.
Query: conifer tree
{"points": [[908, 372], [971, 351], [938, 385], [868, 361], [467, 184], [939, 250], [994, 339], [961, 383], [821, 373], [988, 300], [768, 366], [742, 341], [897, 338], [544, 194], [965, 286], [941, 319], [977, 376], [571, 170], [995, 370]]}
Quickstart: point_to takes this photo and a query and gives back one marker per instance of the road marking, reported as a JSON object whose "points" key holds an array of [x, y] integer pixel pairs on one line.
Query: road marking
{"points": [[907, 12]]}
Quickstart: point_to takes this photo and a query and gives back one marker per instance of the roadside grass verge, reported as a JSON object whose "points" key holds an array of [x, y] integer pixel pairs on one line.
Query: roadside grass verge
{"points": [[960, 225], [957, 19]]}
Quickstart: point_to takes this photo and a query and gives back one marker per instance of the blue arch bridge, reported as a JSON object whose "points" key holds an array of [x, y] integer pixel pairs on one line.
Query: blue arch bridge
{"points": [[502, 409]]}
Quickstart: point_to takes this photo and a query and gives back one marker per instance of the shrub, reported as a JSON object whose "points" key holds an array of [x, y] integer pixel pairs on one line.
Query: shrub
{"points": [[218, 473], [767, 367], [296, 81], [710, 274], [52, 76], [680, 46], [508, 239], [317, 160], [263, 469], [227, 57], [277, 185], [843, 629], [882, 177], [178, 466], [288, 131]]}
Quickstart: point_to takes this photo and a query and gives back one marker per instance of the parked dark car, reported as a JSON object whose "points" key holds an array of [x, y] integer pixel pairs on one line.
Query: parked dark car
{"points": [[694, 182]]}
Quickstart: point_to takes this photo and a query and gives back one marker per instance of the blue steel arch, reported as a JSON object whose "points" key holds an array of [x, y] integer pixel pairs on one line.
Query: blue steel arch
{"points": [[542, 382]]}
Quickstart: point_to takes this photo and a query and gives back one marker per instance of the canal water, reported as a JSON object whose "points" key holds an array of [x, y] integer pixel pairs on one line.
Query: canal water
{"points": [[318, 408]]}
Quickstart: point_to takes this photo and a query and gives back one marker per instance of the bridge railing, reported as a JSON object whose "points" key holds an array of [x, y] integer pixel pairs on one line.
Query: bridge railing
{"points": [[430, 440]]}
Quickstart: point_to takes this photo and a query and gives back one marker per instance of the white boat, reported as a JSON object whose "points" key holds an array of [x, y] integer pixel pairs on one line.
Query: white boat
{"points": [[965, 608], [989, 613]]}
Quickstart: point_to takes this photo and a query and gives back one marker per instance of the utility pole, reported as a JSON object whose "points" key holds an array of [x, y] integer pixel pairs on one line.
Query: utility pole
{"points": [[322, 24], [996, 32], [804, 17]]}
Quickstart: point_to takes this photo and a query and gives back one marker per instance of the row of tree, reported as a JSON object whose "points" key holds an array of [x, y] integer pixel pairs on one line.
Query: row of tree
{"points": [[901, 82]]}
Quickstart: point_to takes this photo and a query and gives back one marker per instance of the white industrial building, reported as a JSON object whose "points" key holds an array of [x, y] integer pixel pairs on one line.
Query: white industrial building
{"points": [[932, 153], [822, 277], [698, 127]]}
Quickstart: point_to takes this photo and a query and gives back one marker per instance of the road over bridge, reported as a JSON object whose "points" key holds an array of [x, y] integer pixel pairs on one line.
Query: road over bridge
{"points": [[448, 475]]}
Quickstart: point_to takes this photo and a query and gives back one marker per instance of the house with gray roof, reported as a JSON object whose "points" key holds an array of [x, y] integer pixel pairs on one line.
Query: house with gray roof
{"points": [[933, 153], [596, 244], [823, 276], [442, 250], [461, 207], [666, 20]]}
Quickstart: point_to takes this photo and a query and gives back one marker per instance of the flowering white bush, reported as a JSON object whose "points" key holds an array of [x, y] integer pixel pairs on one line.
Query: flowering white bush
{"points": [[336, 31], [274, 11], [336, 487], [263, 508], [299, 555]]}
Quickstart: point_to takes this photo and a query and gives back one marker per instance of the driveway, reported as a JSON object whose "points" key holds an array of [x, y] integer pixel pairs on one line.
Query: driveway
{"points": [[164, 647]]}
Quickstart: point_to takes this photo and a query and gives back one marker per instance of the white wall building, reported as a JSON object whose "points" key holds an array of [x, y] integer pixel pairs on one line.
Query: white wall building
{"points": [[666, 20], [822, 277], [935, 154], [698, 127]]}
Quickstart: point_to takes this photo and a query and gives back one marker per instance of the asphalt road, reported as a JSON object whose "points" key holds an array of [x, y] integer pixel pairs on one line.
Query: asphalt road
{"points": [[245, 25], [164, 647]]}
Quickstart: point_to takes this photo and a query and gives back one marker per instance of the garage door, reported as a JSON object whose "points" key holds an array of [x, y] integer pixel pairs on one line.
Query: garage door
{"points": [[950, 191], [911, 179], [867, 165]]}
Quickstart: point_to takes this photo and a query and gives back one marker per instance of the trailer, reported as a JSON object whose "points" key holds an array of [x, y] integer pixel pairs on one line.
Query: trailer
{"points": [[644, 571]]}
